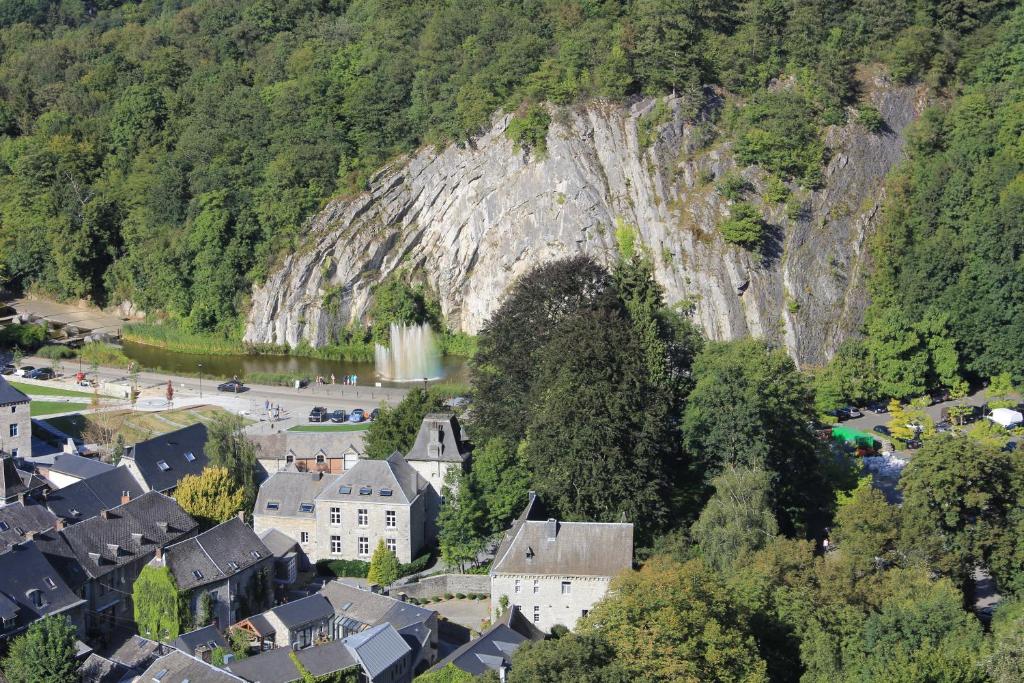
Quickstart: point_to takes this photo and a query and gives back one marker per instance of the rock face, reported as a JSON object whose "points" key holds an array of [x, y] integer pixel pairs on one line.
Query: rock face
{"points": [[468, 220]]}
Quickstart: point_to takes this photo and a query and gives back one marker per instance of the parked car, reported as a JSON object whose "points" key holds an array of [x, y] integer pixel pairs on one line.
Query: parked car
{"points": [[847, 413], [7, 369], [374, 414], [939, 396], [318, 414], [913, 444], [24, 370], [40, 373], [878, 407], [357, 415], [881, 429], [232, 385], [339, 416]]}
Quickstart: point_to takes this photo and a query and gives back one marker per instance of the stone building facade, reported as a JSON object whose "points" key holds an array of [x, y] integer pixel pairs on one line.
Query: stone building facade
{"points": [[15, 422]]}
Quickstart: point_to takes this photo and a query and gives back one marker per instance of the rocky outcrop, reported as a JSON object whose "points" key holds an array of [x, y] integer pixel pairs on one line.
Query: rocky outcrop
{"points": [[468, 220]]}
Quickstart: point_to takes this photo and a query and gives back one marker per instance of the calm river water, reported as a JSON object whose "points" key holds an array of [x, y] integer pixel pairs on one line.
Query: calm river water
{"points": [[225, 367]]}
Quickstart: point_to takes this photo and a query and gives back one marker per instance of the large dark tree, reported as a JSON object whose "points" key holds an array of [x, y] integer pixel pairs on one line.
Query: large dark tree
{"points": [[601, 436], [396, 427], [750, 407], [504, 368]]}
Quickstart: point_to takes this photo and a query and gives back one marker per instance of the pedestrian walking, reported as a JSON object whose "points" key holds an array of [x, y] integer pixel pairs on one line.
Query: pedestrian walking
{"points": [[332, 379]]}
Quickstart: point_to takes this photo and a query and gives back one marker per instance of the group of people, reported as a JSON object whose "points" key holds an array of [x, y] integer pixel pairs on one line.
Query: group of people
{"points": [[348, 380]]}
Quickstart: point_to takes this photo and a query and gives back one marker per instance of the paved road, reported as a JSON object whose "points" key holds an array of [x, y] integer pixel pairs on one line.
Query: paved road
{"points": [[294, 404], [871, 420]]}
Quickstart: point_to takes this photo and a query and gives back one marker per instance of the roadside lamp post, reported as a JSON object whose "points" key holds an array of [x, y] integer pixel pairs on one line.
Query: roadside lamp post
{"points": [[200, 380]]}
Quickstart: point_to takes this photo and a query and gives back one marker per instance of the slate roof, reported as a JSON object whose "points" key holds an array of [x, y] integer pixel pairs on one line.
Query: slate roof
{"points": [[127, 532], [77, 466], [178, 667], [494, 646], [17, 521], [89, 497], [14, 482], [171, 449], [276, 666], [577, 549], [207, 636], [9, 394], [303, 611], [215, 555], [137, 652], [377, 648], [23, 570], [372, 609], [304, 445], [277, 543], [393, 474], [259, 622], [289, 490], [440, 439], [97, 669]]}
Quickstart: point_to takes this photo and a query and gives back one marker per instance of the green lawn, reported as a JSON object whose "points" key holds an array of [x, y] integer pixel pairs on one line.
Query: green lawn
{"points": [[331, 428], [38, 390], [40, 408]]}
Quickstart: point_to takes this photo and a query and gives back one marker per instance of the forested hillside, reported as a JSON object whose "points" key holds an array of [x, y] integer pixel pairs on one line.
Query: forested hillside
{"points": [[946, 290], [167, 152]]}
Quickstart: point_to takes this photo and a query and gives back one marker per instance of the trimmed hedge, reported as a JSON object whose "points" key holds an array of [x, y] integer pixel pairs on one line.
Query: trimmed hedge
{"points": [[360, 569]]}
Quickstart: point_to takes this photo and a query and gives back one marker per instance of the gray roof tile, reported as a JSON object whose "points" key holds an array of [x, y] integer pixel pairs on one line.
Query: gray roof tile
{"points": [[89, 497], [440, 439], [290, 489], [372, 609], [9, 394], [178, 667], [17, 521], [276, 666], [304, 610], [215, 555], [207, 636], [577, 549], [77, 466], [25, 572], [394, 475], [171, 448], [377, 648]]}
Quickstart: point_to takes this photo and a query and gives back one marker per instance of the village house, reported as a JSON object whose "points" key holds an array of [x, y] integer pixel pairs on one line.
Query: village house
{"points": [[100, 558], [554, 572], [288, 559], [293, 625], [201, 642], [493, 650], [89, 497], [229, 563], [344, 516], [158, 464], [378, 654], [68, 469], [327, 452], [179, 667], [356, 610], [17, 485], [15, 421], [19, 520], [440, 445], [30, 589]]}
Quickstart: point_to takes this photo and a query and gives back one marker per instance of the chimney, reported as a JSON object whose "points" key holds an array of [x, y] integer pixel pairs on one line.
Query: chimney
{"points": [[32, 534], [241, 515], [23, 498], [552, 529], [158, 554], [105, 514], [58, 524], [126, 497]]}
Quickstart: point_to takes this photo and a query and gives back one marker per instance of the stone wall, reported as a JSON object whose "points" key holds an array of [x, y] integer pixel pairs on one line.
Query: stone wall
{"points": [[544, 601], [439, 584]]}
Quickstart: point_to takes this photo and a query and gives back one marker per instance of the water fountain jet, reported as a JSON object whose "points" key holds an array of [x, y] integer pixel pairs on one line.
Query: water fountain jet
{"points": [[412, 355]]}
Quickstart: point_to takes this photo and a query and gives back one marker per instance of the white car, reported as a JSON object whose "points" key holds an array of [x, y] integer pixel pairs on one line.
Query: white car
{"points": [[23, 370]]}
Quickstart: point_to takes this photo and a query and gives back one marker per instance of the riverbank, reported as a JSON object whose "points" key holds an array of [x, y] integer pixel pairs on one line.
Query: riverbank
{"points": [[170, 338]]}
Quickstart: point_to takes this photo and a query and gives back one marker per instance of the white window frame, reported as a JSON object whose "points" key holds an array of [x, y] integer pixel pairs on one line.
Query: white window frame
{"points": [[517, 586], [335, 516], [391, 519], [336, 547], [13, 430], [363, 546], [391, 544], [536, 614], [303, 537], [536, 586], [363, 517], [567, 588]]}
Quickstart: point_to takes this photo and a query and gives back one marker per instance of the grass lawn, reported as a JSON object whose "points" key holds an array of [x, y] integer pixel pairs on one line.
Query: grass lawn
{"points": [[135, 426], [39, 390], [331, 428], [40, 408]]}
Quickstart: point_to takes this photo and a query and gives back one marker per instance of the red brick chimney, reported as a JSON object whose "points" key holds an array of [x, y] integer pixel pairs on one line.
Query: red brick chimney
{"points": [[126, 497]]}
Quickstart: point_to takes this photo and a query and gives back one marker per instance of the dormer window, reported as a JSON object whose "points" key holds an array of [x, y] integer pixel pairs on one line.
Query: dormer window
{"points": [[198, 574], [255, 554], [233, 566], [365, 490], [273, 505], [346, 489], [49, 583], [4, 526], [319, 458], [163, 466], [35, 596], [305, 507], [289, 458], [190, 456]]}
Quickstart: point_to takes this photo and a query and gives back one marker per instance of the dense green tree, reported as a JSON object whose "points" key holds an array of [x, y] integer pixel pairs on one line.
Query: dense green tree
{"points": [[957, 494], [459, 521], [1005, 663], [584, 658], [600, 425], [744, 227], [45, 652], [866, 530], [384, 566], [502, 481], [673, 622], [396, 427], [227, 447], [211, 497], [503, 370], [738, 519], [750, 407]]}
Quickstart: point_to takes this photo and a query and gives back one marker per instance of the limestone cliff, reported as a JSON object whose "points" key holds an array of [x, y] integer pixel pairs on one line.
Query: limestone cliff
{"points": [[467, 220]]}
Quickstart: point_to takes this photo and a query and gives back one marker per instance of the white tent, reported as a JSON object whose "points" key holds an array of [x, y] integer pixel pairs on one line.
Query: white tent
{"points": [[1006, 417]]}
